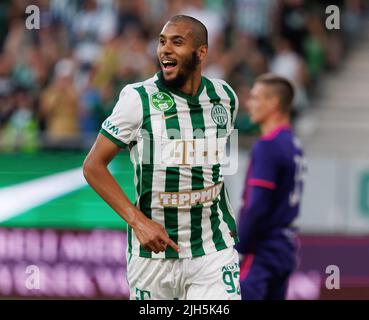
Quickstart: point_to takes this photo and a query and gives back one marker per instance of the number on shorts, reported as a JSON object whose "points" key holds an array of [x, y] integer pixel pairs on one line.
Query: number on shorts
{"points": [[228, 279]]}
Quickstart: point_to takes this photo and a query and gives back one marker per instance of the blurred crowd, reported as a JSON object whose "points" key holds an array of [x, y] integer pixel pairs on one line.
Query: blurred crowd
{"points": [[59, 82]]}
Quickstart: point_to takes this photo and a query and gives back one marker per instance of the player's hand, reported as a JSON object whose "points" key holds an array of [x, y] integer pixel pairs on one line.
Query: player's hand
{"points": [[152, 235]]}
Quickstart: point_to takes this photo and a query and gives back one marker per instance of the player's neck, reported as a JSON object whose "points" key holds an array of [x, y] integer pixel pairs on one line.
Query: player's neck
{"points": [[273, 124], [192, 84]]}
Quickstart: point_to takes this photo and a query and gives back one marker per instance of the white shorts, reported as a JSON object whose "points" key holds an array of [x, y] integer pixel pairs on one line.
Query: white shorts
{"points": [[213, 276]]}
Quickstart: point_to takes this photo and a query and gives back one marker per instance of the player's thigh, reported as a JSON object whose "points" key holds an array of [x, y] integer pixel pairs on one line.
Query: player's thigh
{"points": [[150, 279], [256, 281], [278, 288], [216, 277]]}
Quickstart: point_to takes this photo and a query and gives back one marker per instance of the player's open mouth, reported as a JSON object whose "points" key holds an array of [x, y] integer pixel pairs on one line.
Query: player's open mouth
{"points": [[169, 64]]}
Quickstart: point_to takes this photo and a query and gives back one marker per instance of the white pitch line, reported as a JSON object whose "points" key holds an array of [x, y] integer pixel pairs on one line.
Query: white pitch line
{"points": [[24, 196]]}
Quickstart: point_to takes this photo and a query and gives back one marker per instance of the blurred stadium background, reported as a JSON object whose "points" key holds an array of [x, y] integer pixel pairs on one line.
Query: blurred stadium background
{"points": [[59, 82]]}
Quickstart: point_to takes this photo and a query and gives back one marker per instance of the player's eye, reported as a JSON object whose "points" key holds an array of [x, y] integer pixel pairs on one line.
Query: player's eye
{"points": [[162, 41]]}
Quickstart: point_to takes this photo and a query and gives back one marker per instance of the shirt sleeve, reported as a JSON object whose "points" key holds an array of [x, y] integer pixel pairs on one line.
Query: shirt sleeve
{"points": [[234, 103], [234, 111], [265, 164], [123, 125]]}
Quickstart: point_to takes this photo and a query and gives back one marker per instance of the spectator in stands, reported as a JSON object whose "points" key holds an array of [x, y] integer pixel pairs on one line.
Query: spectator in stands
{"points": [[59, 107], [287, 63], [21, 131]]}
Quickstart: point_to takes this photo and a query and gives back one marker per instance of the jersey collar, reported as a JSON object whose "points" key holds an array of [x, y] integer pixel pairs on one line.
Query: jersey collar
{"points": [[189, 98], [272, 134]]}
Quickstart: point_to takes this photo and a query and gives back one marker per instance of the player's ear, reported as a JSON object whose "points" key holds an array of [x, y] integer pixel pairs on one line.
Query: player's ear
{"points": [[202, 52], [274, 102]]}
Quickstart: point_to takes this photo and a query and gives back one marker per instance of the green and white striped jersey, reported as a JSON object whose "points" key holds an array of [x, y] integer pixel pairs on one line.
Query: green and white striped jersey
{"points": [[176, 142]]}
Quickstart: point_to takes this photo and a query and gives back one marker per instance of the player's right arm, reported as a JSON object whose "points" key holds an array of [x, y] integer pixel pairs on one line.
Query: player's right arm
{"points": [[151, 235], [261, 185], [120, 129]]}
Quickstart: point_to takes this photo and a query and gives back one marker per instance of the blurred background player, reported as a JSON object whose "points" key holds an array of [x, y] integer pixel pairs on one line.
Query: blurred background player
{"points": [[181, 231], [272, 194]]}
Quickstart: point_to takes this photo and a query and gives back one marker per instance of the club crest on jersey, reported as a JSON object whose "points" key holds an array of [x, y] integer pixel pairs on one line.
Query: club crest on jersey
{"points": [[161, 101], [219, 115]]}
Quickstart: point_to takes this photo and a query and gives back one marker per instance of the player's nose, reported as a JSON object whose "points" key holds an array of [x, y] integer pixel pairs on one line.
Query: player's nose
{"points": [[167, 48]]}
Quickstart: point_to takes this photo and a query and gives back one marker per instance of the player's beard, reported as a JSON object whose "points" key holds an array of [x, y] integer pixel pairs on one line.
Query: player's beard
{"points": [[189, 65]]}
